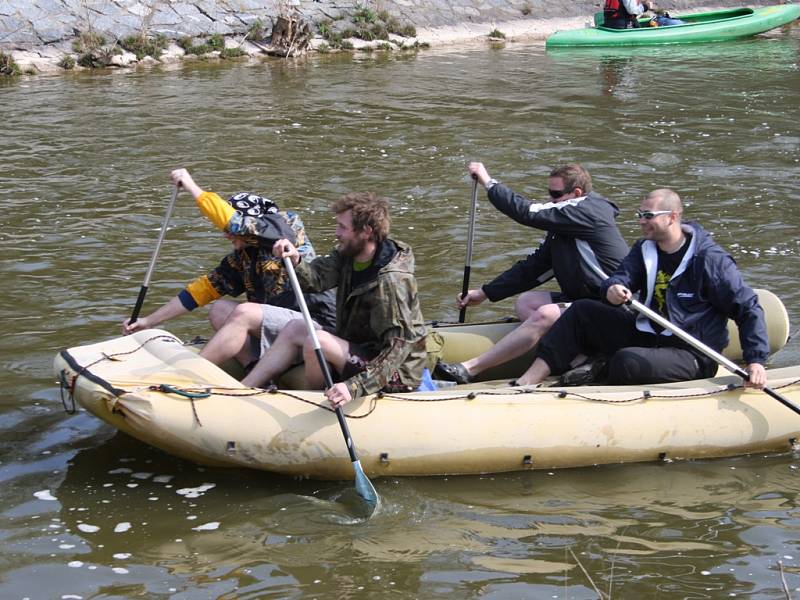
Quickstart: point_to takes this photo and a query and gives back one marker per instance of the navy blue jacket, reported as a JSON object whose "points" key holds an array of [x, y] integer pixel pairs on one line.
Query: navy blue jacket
{"points": [[579, 231], [704, 292]]}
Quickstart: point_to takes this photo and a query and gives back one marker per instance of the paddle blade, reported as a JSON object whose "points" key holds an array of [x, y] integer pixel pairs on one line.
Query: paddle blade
{"points": [[364, 486]]}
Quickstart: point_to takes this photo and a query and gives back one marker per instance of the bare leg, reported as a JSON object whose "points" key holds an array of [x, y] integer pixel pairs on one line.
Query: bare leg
{"points": [[219, 312], [233, 338], [522, 339], [280, 356], [529, 302], [537, 373], [334, 349]]}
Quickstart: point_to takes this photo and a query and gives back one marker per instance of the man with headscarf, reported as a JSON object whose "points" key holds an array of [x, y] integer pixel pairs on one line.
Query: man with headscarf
{"points": [[244, 329]]}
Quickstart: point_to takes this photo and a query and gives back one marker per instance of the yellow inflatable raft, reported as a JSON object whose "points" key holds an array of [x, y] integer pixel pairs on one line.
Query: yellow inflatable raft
{"points": [[154, 388]]}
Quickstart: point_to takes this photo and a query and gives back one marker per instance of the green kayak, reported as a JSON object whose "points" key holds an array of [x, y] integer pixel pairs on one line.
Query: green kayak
{"points": [[715, 26]]}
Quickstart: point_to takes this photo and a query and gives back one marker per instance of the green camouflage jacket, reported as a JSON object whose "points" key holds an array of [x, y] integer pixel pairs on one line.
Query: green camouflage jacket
{"points": [[381, 314]]}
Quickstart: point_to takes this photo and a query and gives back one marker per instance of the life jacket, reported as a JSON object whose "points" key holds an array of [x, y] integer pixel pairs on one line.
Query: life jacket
{"points": [[614, 9]]}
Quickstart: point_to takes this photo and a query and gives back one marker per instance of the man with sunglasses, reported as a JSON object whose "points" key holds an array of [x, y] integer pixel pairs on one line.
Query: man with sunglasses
{"points": [[582, 235], [683, 275]]}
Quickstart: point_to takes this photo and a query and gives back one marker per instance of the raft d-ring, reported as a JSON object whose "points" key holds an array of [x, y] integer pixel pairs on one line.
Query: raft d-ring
{"points": [[65, 385], [168, 389]]}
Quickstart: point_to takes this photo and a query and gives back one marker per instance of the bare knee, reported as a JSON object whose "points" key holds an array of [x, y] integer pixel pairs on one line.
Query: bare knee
{"points": [[219, 312], [529, 303], [247, 315], [295, 333], [543, 317]]}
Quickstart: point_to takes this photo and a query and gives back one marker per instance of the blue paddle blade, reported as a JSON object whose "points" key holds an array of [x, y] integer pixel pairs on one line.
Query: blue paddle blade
{"points": [[364, 486]]}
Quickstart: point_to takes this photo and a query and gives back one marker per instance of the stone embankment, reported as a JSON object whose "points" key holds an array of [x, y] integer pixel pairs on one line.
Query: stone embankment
{"points": [[47, 35]]}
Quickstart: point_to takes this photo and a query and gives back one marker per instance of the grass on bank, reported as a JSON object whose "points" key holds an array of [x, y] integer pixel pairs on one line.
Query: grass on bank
{"points": [[8, 66], [212, 43], [92, 50], [67, 62], [145, 45], [365, 24]]}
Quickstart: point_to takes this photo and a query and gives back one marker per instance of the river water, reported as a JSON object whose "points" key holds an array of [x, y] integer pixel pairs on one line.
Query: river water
{"points": [[86, 513]]}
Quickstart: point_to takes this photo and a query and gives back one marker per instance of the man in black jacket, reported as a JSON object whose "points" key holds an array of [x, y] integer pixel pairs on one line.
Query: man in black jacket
{"points": [[581, 231]]}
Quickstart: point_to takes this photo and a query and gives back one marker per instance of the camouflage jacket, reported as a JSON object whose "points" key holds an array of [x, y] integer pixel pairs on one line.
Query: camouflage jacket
{"points": [[381, 314]]}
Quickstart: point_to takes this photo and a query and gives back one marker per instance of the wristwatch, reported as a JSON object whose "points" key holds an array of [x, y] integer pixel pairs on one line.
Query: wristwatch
{"points": [[491, 183]]}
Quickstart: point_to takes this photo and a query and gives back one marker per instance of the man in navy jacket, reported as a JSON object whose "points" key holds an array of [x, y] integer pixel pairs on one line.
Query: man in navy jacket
{"points": [[582, 236], [680, 273]]}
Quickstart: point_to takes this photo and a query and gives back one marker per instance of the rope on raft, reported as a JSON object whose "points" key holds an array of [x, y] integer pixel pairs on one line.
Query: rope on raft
{"points": [[200, 393], [205, 392], [69, 384]]}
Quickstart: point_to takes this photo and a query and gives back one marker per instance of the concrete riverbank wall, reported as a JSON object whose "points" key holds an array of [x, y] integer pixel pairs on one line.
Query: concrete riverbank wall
{"points": [[46, 29]]}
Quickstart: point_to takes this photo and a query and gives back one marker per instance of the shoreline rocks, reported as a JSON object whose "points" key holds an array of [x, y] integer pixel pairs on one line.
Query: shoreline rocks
{"points": [[49, 36]]}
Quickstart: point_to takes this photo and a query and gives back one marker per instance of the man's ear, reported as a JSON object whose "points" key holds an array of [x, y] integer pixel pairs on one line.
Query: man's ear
{"points": [[578, 191], [367, 229]]}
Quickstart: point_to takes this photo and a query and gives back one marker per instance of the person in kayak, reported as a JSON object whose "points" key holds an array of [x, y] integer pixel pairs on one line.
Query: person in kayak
{"points": [[581, 231], [243, 329], [661, 18], [379, 341], [620, 14], [681, 274]]}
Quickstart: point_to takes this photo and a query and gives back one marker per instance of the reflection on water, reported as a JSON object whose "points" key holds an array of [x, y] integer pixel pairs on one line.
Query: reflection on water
{"points": [[84, 186], [121, 509], [124, 509]]}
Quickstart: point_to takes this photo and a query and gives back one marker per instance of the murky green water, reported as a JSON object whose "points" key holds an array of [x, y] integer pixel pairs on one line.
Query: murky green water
{"points": [[83, 187]]}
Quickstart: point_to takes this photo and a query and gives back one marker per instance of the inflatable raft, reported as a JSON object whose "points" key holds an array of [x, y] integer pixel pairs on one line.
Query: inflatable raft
{"points": [[155, 388], [715, 26]]}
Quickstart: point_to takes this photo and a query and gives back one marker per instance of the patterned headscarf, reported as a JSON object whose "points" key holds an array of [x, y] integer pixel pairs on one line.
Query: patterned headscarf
{"points": [[252, 205]]}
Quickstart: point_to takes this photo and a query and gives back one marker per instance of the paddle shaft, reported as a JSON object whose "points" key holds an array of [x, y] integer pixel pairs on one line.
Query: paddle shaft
{"points": [[154, 257], [700, 346], [323, 364], [710, 352], [470, 238]]}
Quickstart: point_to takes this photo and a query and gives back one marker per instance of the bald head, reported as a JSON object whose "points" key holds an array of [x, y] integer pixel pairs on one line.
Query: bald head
{"points": [[665, 199]]}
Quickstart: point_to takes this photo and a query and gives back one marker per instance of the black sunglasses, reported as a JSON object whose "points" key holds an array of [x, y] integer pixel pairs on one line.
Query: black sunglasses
{"points": [[651, 214], [558, 193]]}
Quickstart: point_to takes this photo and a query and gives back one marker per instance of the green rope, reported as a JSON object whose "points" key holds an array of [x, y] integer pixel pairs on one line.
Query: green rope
{"points": [[173, 390]]}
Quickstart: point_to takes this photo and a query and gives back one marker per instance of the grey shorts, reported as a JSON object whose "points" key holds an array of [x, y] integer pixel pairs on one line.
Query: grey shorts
{"points": [[273, 321]]}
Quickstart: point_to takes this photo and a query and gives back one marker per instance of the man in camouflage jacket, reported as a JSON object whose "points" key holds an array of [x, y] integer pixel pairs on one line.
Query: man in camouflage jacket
{"points": [[379, 342]]}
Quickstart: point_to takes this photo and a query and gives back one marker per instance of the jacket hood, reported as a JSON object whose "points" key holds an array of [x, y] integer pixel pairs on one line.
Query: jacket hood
{"points": [[598, 197], [394, 256], [703, 239]]}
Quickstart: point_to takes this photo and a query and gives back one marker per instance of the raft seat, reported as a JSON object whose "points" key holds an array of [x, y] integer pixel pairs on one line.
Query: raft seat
{"points": [[463, 341]]}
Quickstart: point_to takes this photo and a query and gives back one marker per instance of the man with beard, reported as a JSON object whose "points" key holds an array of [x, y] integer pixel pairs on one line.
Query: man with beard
{"points": [[681, 274], [379, 341]]}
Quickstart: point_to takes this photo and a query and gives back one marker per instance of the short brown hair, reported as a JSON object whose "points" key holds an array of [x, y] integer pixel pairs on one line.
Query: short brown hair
{"points": [[368, 209], [574, 176]]}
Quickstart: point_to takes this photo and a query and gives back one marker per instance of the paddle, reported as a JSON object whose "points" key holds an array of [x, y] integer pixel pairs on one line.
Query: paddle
{"points": [[470, 236], [710, 352], [162, 233], [698, 345], [364, 487]]}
